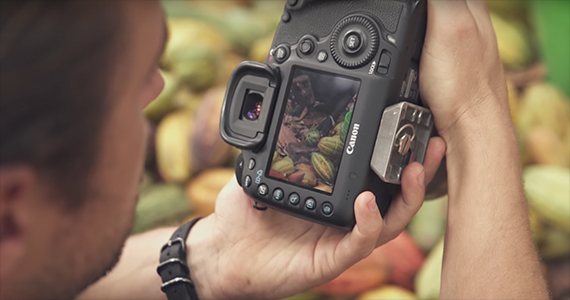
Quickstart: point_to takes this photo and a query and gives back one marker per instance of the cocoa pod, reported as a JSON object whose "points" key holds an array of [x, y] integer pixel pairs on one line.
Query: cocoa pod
{"points": [[173, 149], [304, 167], [296, 177], [359, 278], [367, 274], [276, 175], [284, 166], [548, 194], [203, 190], [162, 105], [337, 130], [312, 137], [323, 166], [160, 205], [546, 148], [325, 188], [428, 279], [310, 179], [405, 258], [555, 244], [388, 292], [276, 157], [208, 148], [331, 146]]}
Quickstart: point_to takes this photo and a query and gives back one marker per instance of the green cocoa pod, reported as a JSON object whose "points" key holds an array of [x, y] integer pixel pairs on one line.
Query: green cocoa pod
{"points": [[323, 166], [312, 137], [161, 205], [331, 146], [284, 166]]}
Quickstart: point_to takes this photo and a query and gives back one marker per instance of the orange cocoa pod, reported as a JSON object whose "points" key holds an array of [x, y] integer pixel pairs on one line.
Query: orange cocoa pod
{"points": [[405, 259], [296, 177], [365, 275], [275, 174]]}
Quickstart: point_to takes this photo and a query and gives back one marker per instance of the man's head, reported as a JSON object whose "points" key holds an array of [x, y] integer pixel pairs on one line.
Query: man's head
{"points": [[74, 78]]}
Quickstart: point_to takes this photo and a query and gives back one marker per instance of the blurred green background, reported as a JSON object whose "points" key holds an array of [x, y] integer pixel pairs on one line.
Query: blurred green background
{"points": [[188, 163]]}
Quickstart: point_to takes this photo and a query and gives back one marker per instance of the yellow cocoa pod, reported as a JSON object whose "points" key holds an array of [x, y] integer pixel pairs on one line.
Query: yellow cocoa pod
{"points": [[203, 190], [323, 187], [284, 166], [163, 103], [547, 189], [428, 279], [388, 292], [323, 166], [331, 146], [544, 105], [260, 49], [512, 41], [173, 149], [545, 148]]}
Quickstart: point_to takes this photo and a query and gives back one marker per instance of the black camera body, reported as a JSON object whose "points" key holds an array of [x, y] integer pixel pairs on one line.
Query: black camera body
{"points": [[333, 111]]}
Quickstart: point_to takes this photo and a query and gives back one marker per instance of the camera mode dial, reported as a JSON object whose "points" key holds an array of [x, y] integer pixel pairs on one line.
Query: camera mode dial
{"points": [[354, 42]]}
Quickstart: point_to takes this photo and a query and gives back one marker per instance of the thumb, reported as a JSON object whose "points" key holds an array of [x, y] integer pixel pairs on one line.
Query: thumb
{"points": [[361, 241]]}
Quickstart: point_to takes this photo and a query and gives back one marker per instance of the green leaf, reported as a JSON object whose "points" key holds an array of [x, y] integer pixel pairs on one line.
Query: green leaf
{"points": [[347, 119]]}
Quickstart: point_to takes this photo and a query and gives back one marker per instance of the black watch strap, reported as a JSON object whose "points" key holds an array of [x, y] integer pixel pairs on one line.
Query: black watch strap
{"points": [[173, 268]]}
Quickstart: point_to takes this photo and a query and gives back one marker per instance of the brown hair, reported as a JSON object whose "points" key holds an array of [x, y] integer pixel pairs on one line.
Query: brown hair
{"points": [[54, 58]]}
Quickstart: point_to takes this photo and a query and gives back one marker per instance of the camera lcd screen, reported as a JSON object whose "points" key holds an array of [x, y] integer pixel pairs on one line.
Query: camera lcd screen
{"points": [[313, 129]]}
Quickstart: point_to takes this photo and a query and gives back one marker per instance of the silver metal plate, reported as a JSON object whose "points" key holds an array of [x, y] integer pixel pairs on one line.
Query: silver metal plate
{"points": [[404, 132]]}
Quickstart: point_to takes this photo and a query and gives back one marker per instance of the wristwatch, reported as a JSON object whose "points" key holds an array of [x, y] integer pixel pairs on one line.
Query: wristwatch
{"points": [[173, 268]]}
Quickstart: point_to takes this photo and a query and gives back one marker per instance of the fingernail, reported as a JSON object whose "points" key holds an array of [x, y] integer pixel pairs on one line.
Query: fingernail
{"points": [[372, 207], [421, 179]]}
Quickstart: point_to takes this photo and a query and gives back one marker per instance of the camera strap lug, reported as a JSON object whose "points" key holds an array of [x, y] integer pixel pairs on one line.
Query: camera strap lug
{"points": [[404, 132]]}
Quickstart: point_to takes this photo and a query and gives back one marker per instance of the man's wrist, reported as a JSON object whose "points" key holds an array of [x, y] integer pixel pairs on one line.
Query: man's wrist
{"points": [[203, 244], [488, 125]]}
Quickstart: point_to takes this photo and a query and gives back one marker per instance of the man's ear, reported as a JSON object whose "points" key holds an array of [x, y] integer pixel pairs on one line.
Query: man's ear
{"points": [[17, 184]]}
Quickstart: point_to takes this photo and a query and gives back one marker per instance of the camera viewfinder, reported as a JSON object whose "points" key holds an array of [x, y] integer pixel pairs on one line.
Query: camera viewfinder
{"points": [[252, 105]]}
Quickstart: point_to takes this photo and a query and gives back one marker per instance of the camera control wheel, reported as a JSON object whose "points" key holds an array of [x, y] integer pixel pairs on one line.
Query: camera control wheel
{"points": [[354, 42]]}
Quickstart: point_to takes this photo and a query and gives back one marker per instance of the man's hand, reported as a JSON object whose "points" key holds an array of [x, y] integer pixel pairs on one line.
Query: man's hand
{"points": [[239, 252], [488, 248], [461, 75]]}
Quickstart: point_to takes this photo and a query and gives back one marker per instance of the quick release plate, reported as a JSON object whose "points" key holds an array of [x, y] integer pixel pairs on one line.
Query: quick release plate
{"points": [[404, 132]]}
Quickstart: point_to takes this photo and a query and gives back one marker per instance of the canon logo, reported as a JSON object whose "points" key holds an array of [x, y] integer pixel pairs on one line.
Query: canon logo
{"points": [[352, 141]]}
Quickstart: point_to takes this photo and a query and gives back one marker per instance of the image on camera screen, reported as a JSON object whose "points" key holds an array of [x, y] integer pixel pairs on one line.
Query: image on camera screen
{"points": [[313, 129]]}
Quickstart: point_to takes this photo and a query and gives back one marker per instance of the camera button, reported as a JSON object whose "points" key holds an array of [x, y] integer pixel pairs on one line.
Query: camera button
{"points": [[286, 17], [322, 56], [306, 47], [327, 209], [384, 63], [294, 198], [251, 164], [352, 42], [278, 194], [247, 181], [262, 189], [281, 54], [310, 203]]}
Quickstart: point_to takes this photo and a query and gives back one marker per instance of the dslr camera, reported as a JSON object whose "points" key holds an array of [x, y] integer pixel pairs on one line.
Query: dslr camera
{"points": [[333, 111]]}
